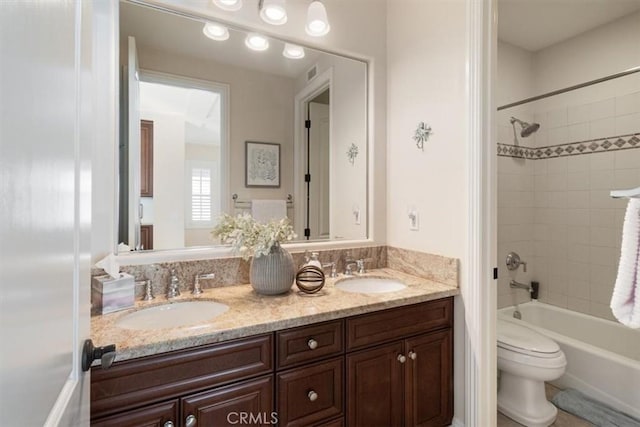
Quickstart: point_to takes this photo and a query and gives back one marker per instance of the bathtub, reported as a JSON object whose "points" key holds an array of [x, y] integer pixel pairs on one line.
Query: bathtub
{"points": [[603, 357]]}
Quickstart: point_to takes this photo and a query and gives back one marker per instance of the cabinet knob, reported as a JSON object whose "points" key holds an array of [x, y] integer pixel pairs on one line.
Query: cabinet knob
{"points": [[401, 358], [313, 396], [168, 424], [413, 355], [313, 344], [190, 421]]}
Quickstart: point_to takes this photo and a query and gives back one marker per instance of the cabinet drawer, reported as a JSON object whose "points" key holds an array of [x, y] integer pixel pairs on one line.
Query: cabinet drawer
{"points": [[142, 381], [154, 415], [310, 394], [375, 328], [308, 343]]}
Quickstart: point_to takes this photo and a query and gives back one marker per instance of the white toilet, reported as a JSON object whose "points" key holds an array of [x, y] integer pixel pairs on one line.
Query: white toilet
{"points": [[526, 359]]}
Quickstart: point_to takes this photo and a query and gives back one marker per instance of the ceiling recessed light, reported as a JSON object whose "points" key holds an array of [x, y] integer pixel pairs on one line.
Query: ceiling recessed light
{"points": [[293, 51], [230, 5], [317, 21], [273, 11], [216, 31], [256, 41]]}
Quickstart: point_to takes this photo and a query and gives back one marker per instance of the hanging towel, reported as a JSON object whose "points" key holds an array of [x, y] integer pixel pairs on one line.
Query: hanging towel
{"points": [[267, 210], [625, 302]]}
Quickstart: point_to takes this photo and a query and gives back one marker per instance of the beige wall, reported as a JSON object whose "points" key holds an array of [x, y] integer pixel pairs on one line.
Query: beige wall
{"points": [[427, 82]]}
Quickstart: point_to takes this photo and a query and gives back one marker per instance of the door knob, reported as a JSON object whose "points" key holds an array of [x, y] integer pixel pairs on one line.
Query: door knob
{"points": [[313, 396], [313, 344], [402, 358], [106, 354], [168, 424], [413, 355], [190, 421]]}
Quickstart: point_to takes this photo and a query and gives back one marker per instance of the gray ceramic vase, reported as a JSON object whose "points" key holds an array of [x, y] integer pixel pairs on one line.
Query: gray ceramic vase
{"points": [[274, 273]]}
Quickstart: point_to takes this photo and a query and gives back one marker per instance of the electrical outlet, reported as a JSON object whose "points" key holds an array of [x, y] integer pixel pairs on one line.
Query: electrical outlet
{"points": [[414, 220]]}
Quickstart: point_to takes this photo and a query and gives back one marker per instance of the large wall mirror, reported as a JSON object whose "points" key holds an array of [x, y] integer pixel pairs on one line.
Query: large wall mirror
{"points": [[212, 126]]}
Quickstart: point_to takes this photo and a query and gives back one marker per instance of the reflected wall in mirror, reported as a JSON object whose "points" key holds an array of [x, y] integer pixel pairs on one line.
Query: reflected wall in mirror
{"points": [[203, 99]]}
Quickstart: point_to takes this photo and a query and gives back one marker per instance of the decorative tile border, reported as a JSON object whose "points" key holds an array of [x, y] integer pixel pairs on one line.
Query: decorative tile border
{"points": [[614, 143]]}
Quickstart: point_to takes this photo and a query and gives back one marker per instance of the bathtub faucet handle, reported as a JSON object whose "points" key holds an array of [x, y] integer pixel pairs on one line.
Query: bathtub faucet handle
{"points": [[513, 262]]}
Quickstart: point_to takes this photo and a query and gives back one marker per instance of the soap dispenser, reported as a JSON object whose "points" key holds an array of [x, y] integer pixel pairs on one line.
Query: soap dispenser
{"points": [[314, 260]]}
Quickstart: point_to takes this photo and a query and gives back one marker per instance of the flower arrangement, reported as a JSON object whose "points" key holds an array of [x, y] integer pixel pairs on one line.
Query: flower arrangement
{"points": [[250, 237]]}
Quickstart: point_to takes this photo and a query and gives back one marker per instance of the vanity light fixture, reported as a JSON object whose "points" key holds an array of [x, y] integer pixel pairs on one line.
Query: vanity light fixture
{"points": [[229, 5], [273, 11], [293, 51], [256, 41], [216, 31], [317, 21]]}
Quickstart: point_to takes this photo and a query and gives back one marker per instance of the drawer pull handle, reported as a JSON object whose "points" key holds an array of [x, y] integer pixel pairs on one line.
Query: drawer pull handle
{"points": [[168, 424], [402, 358], [190, 421], [413, 355], [313, 344], [313, 396]]}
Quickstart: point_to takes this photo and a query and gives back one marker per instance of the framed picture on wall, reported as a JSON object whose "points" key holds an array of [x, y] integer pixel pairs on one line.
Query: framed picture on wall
{"points": [[262, 164]]}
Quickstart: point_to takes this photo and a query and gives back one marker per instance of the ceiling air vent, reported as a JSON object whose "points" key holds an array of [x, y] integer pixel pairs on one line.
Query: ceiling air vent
{"points": [[313, 71]]}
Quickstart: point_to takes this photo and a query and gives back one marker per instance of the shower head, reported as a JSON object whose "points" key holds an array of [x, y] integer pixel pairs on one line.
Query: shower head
{"points": [[527, 129]]}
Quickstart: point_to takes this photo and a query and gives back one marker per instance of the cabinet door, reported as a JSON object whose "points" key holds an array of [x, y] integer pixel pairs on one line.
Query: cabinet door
{"points": [[248, 403], [146, 237], [161, 415], [146, 158], [429, 380], [375, 387]]}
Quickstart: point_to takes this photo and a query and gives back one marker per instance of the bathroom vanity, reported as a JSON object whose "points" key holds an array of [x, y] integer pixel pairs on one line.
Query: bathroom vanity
{"points": [[334, 360]]}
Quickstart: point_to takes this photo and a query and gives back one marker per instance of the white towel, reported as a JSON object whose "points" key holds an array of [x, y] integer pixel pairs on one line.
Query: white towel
{"points": [[264, 210], [625, 302]]}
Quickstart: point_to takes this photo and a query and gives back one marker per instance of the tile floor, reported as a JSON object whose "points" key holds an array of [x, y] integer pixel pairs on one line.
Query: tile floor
{"points": [[564, 419]]}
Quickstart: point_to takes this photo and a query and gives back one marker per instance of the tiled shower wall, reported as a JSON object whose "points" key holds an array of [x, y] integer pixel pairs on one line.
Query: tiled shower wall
{"points": [[554, 207]]}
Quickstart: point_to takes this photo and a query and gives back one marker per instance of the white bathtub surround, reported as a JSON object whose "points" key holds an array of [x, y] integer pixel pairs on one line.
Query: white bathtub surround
{"points": [[603, 357], [625, 302]]}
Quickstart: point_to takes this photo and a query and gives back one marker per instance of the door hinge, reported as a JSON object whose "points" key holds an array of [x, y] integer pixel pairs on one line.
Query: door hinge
{"points": [[495, 273], [307, 178], [307, 232], [307, 124]]}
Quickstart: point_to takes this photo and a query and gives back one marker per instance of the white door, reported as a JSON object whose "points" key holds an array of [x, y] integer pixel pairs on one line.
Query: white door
{"points": [[319, 170], [133, 122], [45, 210]]}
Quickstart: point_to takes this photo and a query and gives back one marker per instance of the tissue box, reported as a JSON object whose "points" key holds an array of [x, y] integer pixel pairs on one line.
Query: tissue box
{"points": [[109, 294]]}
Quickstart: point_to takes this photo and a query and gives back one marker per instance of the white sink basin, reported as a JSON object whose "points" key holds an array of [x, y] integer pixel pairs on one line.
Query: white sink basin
{"points": [[172, 315], [370, 285]]}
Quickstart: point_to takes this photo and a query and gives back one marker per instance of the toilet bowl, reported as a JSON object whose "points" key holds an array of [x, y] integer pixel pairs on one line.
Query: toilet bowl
{"points": [[526, 359]]}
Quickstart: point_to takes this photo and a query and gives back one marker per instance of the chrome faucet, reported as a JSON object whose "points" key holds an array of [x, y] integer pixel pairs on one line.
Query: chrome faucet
{"points": [[513, 284], [197, 289], [174, 286], [334, 268]]}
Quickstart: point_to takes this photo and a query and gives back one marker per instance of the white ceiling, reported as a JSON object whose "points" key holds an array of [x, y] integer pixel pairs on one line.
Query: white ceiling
{"points": [[200, 109], [180, 35], [536, 24]]}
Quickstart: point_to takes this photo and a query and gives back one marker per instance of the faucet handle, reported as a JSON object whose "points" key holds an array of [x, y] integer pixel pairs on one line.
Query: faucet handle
{"points": [[197, 289], [148, 291], [334, 268], [360, 264]]}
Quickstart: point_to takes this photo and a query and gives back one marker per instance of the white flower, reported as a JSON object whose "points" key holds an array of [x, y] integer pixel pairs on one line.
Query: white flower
{"points": [[250, 237]]}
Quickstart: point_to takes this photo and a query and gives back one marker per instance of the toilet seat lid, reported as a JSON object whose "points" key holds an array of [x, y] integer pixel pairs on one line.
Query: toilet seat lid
{"points": [[521, 339]]}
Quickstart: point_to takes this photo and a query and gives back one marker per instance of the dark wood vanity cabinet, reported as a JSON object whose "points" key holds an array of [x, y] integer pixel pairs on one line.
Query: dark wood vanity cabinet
{"points": [[395, 382], [388, 368]]}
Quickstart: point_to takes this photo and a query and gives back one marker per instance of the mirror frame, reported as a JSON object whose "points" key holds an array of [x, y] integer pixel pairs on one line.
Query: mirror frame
{"points": [[222, 251]]}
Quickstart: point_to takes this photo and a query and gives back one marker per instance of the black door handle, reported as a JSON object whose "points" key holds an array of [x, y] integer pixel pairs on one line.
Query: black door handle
{"points": [[106, 354]]}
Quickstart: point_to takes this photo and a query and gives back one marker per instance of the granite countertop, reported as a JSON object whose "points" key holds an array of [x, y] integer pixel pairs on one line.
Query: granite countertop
{"points": [[252, 314]]}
